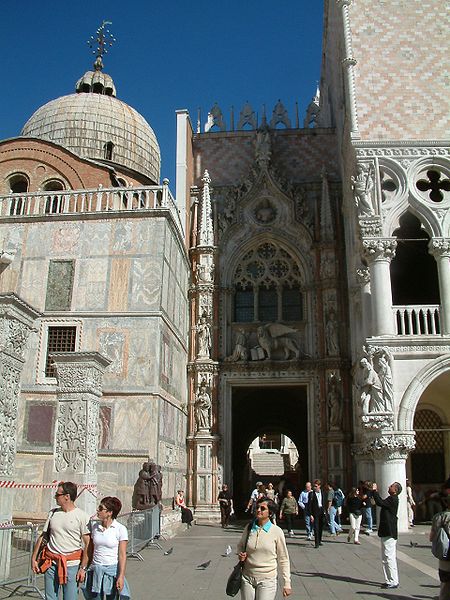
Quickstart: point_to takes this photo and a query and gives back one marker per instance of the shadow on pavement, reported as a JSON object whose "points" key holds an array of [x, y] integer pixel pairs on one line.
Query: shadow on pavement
{"points": [[336, 577], [394, 596]]}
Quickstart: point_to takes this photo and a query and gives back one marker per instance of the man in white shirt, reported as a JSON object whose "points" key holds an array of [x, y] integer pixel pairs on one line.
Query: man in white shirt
{"points": [[303, 502], [65, 557]]}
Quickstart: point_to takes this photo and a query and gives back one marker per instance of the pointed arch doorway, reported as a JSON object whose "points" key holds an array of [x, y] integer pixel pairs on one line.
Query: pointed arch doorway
{"points": [[274, 410]]}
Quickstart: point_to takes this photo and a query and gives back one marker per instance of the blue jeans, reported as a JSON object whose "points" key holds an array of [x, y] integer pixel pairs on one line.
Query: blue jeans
{"points": [[52, 585], [307, 518], [367, 511], [332, 521]]}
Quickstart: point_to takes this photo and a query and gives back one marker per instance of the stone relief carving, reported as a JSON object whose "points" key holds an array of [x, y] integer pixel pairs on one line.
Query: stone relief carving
{"points": [[265, 212], [79, 378], [274, 336], [203, 406], [327, 265], [204, 273], [363, 276], [334, 402], [13, 336], [111, 344], [240, 351], [392, 445], [263, 147], [363, 185], [9, 397], [70, 451]]}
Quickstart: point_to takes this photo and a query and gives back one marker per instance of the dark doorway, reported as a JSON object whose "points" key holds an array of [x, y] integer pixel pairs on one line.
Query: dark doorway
{"points": [[259, 410]]}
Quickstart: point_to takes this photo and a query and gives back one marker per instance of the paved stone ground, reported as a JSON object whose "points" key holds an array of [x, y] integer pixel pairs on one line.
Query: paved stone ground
{"points": [[336, 571]]}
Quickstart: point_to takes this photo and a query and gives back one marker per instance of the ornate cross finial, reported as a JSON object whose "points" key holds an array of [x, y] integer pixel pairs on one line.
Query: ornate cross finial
{"points": [[100, 44]]}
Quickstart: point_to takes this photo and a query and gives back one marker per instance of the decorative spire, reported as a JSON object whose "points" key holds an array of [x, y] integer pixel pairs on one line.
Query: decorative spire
{"points": [[100, 44], [206, 231]]}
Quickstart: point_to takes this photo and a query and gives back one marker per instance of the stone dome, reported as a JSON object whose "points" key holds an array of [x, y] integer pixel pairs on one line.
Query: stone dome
{"points": [[94, 124]]}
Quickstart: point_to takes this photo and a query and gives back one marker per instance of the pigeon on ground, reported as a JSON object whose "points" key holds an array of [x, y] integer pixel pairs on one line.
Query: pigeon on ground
{"points": [[169, 551], [413, 544], [204, 565], [228, 551]]}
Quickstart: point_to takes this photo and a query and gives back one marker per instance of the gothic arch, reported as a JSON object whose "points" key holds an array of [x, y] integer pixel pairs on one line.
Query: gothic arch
{"points": [[417, 387], [425, 214]]}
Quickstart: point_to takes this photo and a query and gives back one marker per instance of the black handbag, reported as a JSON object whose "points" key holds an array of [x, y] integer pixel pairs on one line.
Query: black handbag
{"points": [[235, 579]]}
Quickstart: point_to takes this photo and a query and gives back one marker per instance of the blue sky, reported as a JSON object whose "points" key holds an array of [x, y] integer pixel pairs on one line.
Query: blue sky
{"points": [[168, 55]]}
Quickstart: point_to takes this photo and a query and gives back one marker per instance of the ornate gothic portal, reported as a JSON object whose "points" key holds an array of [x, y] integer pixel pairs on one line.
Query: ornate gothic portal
{"points": [[268, 335]]}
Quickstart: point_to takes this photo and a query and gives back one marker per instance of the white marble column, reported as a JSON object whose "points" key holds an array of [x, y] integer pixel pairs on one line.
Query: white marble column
{"points": [[379, 252], [16, 322], [79, 388], [440, 249], [390, 452]]}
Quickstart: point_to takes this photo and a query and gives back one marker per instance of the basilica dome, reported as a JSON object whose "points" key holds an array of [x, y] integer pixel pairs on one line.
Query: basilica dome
{"points": [[94, 124]]}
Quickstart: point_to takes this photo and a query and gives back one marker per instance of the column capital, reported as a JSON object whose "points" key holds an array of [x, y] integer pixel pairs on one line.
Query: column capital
{"points": [[80, 372], [439, 247], [379, 249], [389, 446]]}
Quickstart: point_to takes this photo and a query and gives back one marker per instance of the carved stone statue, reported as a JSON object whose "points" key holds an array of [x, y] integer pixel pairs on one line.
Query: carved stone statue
{"points": [[363, 185], [263, 150], [274, 336], [371, 389], [153, 484], [385, 375], [203, 406], [141, 491], [240, 351], [204, 336], [331, 335], [334, 403]]}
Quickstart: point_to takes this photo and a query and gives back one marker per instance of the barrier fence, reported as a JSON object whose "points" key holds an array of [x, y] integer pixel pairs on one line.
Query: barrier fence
{"points": [[16, 547], [144, 530]]}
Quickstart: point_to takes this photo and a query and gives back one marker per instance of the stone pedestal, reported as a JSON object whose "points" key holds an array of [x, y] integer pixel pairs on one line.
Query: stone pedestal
{"points": [[79, 388], [205, 457], [16, 323]]}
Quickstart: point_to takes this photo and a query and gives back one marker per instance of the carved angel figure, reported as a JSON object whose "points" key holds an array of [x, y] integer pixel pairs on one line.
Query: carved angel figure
{"points": [[275, 335], [204, 336]]}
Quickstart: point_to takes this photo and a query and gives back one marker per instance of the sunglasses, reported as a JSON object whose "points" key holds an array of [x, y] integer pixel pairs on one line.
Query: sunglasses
{"points": [[57, 495]]}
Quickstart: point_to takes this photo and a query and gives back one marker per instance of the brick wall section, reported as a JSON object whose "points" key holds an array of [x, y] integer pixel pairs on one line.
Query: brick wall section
{"points": [[297, 153], [402, 79]]}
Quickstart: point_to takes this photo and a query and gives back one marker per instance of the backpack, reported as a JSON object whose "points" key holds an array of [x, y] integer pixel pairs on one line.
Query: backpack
{"points": [[338, 498], [440, 543]]}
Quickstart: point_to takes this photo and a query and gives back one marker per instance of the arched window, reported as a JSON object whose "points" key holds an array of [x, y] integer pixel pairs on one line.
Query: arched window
{"points": [[54, 203], [18, 184], [414, 277], [108, 150], [267, 286], [427, 460]]}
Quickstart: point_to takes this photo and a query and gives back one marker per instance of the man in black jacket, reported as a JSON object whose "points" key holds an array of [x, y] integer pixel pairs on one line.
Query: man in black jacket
{"points": [[388, 533], [317, 506]]}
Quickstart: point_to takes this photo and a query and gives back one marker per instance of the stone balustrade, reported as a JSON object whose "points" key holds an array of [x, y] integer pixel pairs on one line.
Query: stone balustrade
{"points": [[417, 320], [101, 200]]}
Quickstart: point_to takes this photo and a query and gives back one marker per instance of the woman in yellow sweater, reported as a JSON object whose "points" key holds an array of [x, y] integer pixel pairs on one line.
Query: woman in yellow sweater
{"points": [[265, 551]]}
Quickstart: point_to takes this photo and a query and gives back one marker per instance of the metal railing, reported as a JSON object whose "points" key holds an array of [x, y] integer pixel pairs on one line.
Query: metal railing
{"points": [[16, 547], [144, 530], [72, 202], [417, 320]]}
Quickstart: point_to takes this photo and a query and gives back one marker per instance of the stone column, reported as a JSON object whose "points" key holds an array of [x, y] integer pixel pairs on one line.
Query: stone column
{"points": [[79, 388], [16, 322], [440, 249], [390, 451], [379, 252]]}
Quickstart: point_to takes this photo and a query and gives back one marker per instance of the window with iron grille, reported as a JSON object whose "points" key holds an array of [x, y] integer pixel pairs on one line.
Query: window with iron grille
{"points": [[59, 339], [427, 460]]}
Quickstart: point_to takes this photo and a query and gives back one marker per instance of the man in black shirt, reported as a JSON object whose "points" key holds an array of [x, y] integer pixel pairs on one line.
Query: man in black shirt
{"points": [[388, 533]]}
